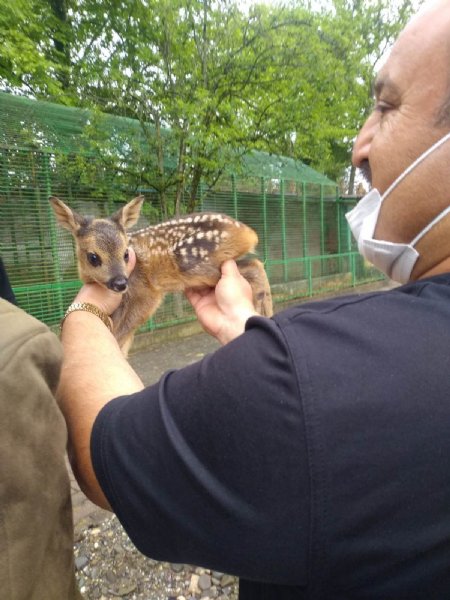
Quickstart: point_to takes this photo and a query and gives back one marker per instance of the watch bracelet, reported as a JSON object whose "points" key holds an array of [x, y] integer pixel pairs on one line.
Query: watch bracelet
{"points": [[87, 307]]}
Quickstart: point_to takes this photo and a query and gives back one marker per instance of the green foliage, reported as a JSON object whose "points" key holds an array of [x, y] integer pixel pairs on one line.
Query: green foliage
{"points": [[359, 33], [205, 81], [30, 35]]}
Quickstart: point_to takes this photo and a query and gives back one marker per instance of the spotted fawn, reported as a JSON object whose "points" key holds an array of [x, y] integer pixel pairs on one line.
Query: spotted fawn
{"points": [[184, 252]]}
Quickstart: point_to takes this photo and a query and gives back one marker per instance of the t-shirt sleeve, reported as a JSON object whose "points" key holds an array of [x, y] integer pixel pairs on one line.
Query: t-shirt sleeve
{"points": [[209, 465]]}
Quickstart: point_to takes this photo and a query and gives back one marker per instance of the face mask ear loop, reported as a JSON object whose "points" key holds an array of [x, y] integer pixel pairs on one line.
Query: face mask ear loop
{"points": [[424, 231], [418, 160]]}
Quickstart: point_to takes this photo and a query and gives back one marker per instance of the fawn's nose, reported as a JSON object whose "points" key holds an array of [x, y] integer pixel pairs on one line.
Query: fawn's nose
{"points": [[118, 283]]}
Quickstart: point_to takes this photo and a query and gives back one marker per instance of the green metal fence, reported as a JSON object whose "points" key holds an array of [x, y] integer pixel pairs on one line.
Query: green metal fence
{"points": [[304, 240]]}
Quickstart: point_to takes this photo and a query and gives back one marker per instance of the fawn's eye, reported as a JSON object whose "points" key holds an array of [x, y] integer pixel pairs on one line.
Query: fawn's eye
{"points": [[94, 259], [126, 256]]}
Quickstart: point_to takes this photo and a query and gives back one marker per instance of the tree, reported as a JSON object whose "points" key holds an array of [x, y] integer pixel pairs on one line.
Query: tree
{"points": [[30, 54], [205, 81], [361, 33], [200, 78]]}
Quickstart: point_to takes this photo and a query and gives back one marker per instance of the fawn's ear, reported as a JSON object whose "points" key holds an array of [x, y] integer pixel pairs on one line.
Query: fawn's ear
{"points": [[65, 216], [128, 215]]}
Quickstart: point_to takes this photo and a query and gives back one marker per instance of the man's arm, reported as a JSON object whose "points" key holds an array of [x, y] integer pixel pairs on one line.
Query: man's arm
{"points": [[94, 372]]}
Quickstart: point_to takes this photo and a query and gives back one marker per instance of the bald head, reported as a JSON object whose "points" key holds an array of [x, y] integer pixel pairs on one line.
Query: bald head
{"points": [[443, 8], [435, 16]]}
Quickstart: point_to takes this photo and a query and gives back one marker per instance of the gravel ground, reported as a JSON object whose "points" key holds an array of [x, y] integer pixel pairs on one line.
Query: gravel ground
{"points": [[108, 567]]}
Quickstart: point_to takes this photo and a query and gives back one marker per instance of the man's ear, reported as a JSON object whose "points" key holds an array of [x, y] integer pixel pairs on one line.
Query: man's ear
{"points": [[128, 215], [65, 216]]}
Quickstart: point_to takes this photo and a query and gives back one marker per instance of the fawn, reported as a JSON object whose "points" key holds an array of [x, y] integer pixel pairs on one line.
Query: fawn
{"points": [[181, 253]]}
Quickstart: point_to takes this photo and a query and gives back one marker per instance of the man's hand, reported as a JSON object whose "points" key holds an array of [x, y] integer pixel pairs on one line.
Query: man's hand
{"points": [[224, 310], [94, 372], [106, 300]]}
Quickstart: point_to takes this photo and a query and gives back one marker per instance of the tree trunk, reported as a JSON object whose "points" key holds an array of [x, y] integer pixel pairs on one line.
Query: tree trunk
{"points": [[180, 174], [196, 178], [351, 181], [161, 172], [59, 9]]}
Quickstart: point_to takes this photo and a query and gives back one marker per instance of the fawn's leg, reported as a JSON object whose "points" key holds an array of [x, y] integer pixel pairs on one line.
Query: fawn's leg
{"points": [[254, 272], [138, 304], [128, 317]]}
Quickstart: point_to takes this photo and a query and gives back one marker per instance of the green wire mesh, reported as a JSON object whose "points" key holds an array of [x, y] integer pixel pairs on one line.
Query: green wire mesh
{"points": [[304, 240]]}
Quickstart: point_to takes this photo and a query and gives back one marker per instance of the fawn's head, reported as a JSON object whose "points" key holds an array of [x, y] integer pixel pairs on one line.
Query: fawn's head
{"points": [[101, 243]]}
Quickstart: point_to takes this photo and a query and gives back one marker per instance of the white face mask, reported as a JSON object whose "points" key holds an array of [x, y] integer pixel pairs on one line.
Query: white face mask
{"points": [[394, 260]]}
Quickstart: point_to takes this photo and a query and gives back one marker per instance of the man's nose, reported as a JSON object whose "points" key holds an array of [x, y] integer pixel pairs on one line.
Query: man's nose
{"points": [[363, 142]]}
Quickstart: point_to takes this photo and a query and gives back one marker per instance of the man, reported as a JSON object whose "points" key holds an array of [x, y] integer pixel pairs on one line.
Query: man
{"points": [[36, 529], [310, 455]]}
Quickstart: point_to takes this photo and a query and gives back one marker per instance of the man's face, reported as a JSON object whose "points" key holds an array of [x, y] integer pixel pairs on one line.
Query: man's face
{"points": [[409, 91]]}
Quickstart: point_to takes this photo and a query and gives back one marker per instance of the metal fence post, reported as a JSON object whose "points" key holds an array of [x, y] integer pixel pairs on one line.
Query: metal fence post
{"points": [[339, 231], [235, 199], [265, 225], [353, 264], [322, 229], [6, 191], [283, 232], [306, 263], [53, 234], [310, 277], [304, 215]]}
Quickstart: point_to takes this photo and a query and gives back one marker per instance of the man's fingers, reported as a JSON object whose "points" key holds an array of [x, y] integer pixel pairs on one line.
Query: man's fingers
{"points": [[230, 269], [196, 295], [193, 296]]}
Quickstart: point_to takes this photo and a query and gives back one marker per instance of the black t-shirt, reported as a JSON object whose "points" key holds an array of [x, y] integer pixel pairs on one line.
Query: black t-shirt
{"points": [[310, 456]]}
